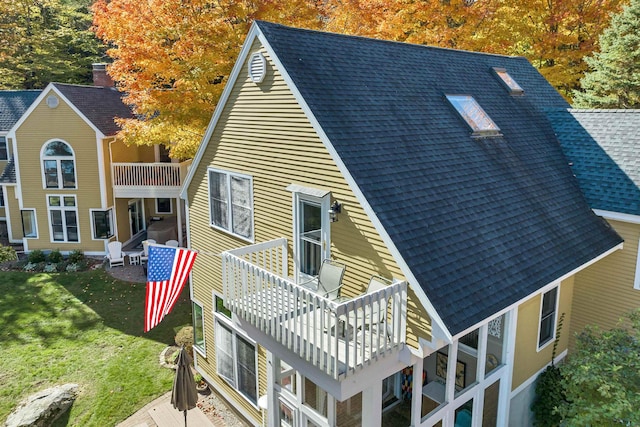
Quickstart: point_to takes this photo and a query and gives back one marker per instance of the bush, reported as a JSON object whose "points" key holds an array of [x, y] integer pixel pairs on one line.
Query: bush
{"points": [[76, 257], [36, 256], [50, 268], [184, 337], [55, 256], [7, 253], [71, 268], [31, 267]]}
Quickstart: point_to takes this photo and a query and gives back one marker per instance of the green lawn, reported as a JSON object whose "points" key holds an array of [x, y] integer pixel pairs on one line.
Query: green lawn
{"points": [[85, 328]]}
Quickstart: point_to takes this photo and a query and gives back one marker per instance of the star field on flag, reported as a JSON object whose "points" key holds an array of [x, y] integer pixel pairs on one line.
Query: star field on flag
{"points": [[167, 271]]}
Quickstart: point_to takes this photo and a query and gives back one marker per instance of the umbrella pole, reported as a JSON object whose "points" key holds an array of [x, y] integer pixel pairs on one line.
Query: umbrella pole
{"points": [[185, 418]]}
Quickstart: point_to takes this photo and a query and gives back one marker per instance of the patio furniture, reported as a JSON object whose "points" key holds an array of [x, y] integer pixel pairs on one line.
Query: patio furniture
{"points": [[172, 243], [115, 254], [328, 282], [144, 255], [134, 258]]}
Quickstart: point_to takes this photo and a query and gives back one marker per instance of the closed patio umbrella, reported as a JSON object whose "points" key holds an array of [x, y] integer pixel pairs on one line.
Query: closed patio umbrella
{"points": [[184, 395]]}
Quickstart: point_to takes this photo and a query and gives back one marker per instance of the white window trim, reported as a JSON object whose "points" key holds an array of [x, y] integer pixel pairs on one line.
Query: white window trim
{"points": [[58, 159], [555, 319], [220, 318], [636, 280], [170, 206], [324, 203], [93, 228], [202, 351], [229, 174], [35, 220], [62, 208]]}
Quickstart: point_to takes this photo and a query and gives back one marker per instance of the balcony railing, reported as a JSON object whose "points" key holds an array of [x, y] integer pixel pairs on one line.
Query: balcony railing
{"points": [[338, 337], [149, 174]]}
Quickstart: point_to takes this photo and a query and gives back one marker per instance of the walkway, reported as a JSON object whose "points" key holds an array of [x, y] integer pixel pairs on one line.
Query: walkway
{"points": [[160, 413]]}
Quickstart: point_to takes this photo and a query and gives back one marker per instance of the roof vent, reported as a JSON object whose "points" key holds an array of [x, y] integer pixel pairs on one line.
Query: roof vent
{"points": [[52, 101], [257, 67]]}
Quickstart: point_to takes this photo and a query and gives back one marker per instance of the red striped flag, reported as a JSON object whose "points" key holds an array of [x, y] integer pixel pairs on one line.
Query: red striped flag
{"points": [[167, 272]]}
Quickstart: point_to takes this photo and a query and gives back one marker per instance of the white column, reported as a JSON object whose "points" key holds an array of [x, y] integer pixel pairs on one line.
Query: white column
{"points": [[372, 405]]}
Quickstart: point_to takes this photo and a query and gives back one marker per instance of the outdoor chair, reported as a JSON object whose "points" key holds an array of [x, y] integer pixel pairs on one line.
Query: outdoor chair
{"points": [[328, 282], [375, 314], [144, 255], [115, 254], [173, 243]]}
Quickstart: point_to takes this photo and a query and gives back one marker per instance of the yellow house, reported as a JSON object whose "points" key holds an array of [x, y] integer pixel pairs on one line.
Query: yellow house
{"points": [[603, 147], [388, 234], [74, 185]]}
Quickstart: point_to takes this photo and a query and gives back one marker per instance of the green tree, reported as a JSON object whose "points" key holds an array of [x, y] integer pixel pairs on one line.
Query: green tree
{"points": [[601, 379], [614, 77], [46, 40]]}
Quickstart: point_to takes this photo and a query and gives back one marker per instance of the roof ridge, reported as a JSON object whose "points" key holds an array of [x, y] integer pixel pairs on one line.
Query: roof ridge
{"points": [[385, 41]]}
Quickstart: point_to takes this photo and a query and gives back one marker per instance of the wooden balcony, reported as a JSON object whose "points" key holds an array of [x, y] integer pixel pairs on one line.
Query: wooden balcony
{"points": [[148, 179], [340, 338]]}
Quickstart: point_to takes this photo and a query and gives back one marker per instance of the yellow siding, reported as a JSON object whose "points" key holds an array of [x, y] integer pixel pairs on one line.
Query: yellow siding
{"points": [[13, 210], [266, 135], [604, 291], [45, 124], [528, 360]]}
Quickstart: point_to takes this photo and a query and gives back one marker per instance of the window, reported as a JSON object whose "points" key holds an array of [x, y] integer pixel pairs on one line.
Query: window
{"points": [[548, 317], [102, 224], [509, 82], [1, 196], [58, 165], [474, 115], [29, 229], [163, 206], [198, 328], [63, 218], [231, 203], [236, 361], [4, 150]]}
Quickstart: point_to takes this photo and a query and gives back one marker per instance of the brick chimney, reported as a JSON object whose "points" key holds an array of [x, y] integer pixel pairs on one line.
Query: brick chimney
{"points": [[100, 76]]}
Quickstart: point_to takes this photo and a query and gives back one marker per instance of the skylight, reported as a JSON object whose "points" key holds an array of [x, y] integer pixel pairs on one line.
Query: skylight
{"points": [[474, 115], [511, 84]]}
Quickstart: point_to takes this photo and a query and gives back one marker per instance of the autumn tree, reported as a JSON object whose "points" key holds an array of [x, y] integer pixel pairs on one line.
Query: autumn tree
{"points": [[46, 40], [172, 58], [613, 80]]}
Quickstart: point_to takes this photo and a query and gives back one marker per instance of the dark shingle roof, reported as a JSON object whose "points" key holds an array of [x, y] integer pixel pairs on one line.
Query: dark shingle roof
{"points": [[9, 173], [481, 223], [101, 105], [604, 147], [13, 104]]}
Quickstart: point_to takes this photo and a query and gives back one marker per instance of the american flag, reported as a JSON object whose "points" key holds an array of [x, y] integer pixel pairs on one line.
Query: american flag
{"points": [[167, 272]]}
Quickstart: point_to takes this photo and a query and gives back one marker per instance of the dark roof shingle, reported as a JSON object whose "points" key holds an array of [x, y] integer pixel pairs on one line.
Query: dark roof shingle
{"points": [[101, 105], [13, 104], [481, 222], [603, 146]]}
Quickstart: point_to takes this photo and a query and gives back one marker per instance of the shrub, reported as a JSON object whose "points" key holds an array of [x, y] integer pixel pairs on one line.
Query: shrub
{"points": [[72, 268], [184, 337], [76, 257], [30, 266], [55, 256], [50, 268], [7, 253], [36, 256]]}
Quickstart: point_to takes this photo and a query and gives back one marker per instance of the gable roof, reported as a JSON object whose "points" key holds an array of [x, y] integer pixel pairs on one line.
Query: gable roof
{"points": [[603, 146], [100, 105], [13, 104], [477, 223]]}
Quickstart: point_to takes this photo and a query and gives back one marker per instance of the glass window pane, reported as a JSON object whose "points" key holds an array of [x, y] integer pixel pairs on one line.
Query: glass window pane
{"points": [[240, 191], [57, 226], [68, 173], [224, 351], [4, 153], [198, 326], [51, 173], [495, 344], [72, 226], [241, 221], [54, 201], [220, 308], [219, 214], [163, 205], [247, 369], [69, 201], [29, 223], [472, 113], [218, 185], [102, 224], [58, 149]]}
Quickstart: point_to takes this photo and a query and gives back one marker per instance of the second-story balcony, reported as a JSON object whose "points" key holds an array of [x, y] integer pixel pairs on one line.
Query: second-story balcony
{"points": [[148, 179], [340, 338]]}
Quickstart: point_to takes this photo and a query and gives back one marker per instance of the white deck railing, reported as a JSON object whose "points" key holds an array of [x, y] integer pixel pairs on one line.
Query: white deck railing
{"points": [[337, 337], [149, 174]]}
